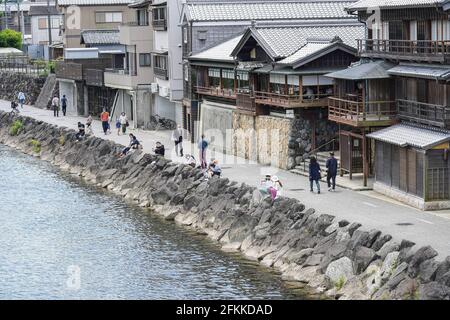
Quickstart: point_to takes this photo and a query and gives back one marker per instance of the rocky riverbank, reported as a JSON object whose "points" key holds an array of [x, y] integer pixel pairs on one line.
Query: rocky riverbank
{"points": [[12, 83], [333, 256]]}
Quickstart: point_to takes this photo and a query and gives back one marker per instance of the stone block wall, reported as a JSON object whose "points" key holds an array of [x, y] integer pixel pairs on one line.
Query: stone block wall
{"points": [[262, 138], [12, 83], [332, 256]]}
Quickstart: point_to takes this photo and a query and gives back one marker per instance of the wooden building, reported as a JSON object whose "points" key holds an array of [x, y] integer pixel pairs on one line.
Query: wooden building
{"points": [[407, 46]]}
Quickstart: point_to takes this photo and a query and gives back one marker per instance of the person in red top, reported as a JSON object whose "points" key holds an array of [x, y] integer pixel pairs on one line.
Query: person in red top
{"points": [[104, 117]]}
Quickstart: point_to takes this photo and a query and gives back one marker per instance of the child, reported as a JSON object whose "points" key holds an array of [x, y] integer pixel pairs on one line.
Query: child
{"points": [[118, 126]]}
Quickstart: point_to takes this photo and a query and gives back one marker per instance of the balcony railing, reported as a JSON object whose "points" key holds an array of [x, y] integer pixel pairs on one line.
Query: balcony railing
{"points": [[405, 49], [424, 113], [159, 25], [362, 114], [291, 101], [216, 92], [126, 72], [161, 73]]}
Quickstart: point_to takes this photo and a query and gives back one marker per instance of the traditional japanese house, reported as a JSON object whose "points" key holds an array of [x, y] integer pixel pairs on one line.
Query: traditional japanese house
{"points": [[410, 41]]}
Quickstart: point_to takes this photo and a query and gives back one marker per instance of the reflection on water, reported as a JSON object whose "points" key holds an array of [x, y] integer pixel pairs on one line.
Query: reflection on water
{"points": [[60, 239]]}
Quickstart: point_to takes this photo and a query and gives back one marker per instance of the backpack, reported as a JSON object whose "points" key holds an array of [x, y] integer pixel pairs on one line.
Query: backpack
{"points": [[204, 144]]}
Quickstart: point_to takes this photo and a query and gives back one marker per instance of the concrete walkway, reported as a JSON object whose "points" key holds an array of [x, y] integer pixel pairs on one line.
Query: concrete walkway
{"points": [[370, 209]]}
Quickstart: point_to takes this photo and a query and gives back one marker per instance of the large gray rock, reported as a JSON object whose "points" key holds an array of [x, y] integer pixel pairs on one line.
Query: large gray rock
{"points": [[362, 258], [191, 202], [340, 270], [381, 241], [421, 255], [433, 291], [161, 196], [388, 247]]}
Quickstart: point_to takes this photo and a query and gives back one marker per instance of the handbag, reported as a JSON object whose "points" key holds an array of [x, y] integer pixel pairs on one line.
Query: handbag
{"points": [[127, 124]]}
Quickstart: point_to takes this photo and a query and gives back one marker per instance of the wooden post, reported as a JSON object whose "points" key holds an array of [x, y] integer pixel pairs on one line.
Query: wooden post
{"points": [[350, 155], [365, 161]]}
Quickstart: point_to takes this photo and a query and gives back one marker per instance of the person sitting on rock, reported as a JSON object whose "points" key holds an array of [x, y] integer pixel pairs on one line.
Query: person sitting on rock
{"points": [[159, 149], [190, 161], [14, 106], [265, 185], [81, 131], [275, 188], [134, 144], [214, 169]]}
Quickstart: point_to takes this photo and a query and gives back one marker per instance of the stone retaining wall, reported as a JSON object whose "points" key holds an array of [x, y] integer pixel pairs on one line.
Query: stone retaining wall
{"points": [[12, 83], [333, 256]]}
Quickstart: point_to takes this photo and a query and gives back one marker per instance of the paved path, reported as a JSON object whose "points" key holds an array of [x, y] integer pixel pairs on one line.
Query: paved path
{"points": [[368, 208]]}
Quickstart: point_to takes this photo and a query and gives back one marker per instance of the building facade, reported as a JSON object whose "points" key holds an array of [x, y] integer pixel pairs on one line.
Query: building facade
{"points": [[396, 101]]}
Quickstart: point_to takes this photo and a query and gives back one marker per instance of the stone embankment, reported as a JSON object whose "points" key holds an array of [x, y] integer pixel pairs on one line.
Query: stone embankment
{"points": [[333, 256], [12, 83]]}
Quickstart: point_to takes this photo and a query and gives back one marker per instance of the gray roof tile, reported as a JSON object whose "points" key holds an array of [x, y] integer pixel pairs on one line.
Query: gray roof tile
{"points": [[411, 135], [436, 72], [100, 36], [364, 4], [65, 3], [268, 10]]}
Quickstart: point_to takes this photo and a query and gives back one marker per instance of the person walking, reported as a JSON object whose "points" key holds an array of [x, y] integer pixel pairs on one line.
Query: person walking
{"points": [[21, 97], [64, 104], [332, 168], [89, 125], [55, 106], [123, 122], [202, 147], [118, 125], [177, 138], [314, 174], [104, 118]]}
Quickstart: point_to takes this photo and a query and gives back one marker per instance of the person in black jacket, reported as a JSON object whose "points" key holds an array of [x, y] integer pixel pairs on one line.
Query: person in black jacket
{"points": [[159, 149], [332, 168], [314, 174]]}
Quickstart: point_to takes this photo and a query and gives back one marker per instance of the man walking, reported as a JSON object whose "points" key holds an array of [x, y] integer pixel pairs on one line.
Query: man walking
{"points": [[64, 104], [332, 167], [21, 98], [177, 138], [202, 146], [104, 118], [55, 106]]}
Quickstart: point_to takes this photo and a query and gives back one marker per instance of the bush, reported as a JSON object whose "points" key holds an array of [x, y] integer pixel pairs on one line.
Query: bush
{"points": [[16, 128], [36, 146], [10, 39]]}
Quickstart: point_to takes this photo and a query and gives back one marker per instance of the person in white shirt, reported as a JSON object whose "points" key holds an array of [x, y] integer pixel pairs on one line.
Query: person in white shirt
{"points": [[55, 106], [177, 138], [123, 122], [21, 98]]}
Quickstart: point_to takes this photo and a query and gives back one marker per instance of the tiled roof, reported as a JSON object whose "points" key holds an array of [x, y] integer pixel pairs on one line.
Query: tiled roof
{"points": [[364, 71], [221, 52], [268, 10], [441, 72], [65, 3], [411, 135], [100, 36], [364, 4], [42, 11], [285, 41]]}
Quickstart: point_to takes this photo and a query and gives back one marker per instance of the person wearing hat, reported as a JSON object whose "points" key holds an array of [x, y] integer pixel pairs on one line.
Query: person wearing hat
{"points": [[275, 188], [332, 168]]}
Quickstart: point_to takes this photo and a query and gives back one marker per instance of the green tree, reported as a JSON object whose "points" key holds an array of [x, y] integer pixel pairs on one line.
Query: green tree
{"points": [[10, 39]]}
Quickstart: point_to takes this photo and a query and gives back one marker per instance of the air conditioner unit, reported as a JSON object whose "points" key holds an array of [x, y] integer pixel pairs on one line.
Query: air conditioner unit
{"points": [[154, 87], [164, 92]]}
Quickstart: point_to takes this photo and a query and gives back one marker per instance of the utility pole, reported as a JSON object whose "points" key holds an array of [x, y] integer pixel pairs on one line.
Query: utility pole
{"points": [[6, 15], [49, 23]]}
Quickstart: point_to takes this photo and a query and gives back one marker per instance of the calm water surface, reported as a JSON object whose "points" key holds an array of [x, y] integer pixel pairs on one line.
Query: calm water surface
{"points": [[62, 239]]}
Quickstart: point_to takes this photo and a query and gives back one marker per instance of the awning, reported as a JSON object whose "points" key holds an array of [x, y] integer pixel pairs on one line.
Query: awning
{"points": [[160, 52], [364, 71], [405, 135], [421, 71]]}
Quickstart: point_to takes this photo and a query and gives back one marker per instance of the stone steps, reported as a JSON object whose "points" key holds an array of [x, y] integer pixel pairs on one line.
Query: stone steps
{"points": [[48, 90]]}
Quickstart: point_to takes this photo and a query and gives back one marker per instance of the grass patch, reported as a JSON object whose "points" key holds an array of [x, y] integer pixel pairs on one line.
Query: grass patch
{"points": [[16, 128], [340, 283], [36, 146]]}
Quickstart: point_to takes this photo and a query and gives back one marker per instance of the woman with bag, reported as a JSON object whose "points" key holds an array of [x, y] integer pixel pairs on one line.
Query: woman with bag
{"points": [[123, 122], [314, 174]]}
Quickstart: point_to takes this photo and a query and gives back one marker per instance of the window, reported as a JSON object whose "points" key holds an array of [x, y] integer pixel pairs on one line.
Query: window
{"points": [[108, 17], [42, 23], [214, 77], [142, 17], [159, 14], [145, 60], [160, 62], [185, 35], [186, 72]]}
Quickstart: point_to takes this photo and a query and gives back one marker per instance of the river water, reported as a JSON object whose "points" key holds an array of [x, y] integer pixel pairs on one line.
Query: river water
{"points": [[63, 239]]}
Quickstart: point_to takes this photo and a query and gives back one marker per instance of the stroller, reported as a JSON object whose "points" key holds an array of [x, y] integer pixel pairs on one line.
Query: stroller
{"points": [[14, 107]]}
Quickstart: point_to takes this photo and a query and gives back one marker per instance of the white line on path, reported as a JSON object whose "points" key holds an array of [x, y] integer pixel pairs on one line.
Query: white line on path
{"points": [[370, 204], [424, 221]]}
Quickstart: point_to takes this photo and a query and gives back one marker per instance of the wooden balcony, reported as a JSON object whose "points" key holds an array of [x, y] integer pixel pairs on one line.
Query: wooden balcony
{"points": [[424, 113], [362, 114], [69, 70], [425, 51], [245, 103], [291, 101], [216, 92]]}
